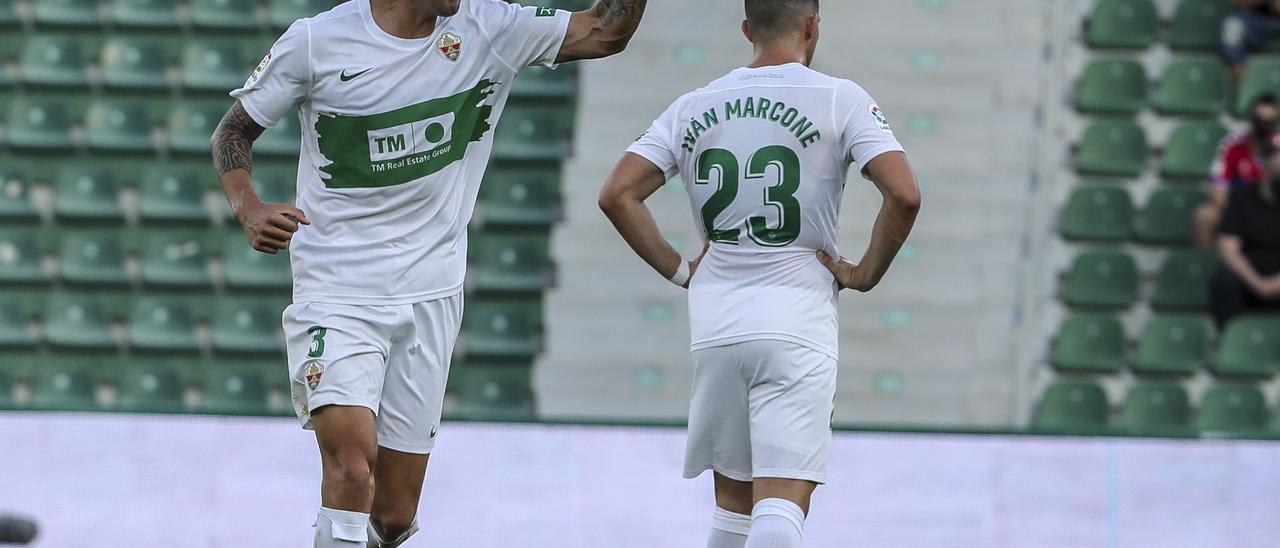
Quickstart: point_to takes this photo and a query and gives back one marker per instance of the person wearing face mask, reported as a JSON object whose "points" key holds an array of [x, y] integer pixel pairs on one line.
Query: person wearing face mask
{"points": [[1239, 163], [1249, 245], [1254, 23]]}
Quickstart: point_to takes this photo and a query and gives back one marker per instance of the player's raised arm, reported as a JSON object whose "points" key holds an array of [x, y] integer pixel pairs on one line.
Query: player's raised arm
{"points": [[601, 31], [892, 174], [622, 200]]}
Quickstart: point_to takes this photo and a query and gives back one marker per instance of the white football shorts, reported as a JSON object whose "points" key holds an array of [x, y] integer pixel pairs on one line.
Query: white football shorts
{"points": [[761, 409], [393, 360]]}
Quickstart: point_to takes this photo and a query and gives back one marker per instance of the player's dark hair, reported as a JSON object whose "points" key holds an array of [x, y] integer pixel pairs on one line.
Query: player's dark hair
{"points": [[1265, 98], [771, 18]]}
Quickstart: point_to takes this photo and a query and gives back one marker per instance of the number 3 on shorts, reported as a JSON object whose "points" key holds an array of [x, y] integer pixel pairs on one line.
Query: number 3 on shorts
{"points": [[317, 341]]}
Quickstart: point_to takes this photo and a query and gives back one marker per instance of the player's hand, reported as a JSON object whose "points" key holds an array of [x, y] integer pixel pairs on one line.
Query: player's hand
{"points": [[693, 265], [1270, 288], [270, 226], [848, 274]]}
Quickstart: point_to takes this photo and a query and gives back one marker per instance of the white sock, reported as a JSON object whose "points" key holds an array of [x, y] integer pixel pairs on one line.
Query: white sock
{"points": [[375, 540], [728, 529], [340, 529], [775, 523]]}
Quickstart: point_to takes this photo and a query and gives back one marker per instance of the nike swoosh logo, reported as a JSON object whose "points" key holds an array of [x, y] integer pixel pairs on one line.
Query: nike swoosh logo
{"points": [[348, 77]]}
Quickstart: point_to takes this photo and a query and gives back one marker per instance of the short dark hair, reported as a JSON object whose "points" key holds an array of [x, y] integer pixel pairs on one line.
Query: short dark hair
{"points": [[770, 18], [1264, 98]]}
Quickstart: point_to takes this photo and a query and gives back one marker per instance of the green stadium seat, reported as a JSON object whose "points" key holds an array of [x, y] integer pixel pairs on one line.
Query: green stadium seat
{"points": [[39, 124], [1173, 345], [1112, 86], [93, 258], [533, 131], [1262, 74], [7, 401], [511, 261], [544, 83], [493, 390], [53, 61], [175, 260], [1089, 343], [86, 195], [521, 195], [275, 186], [167, 195], [1156, 408], [9, 14], [144, 13], [191, 126], [1197, 25], [238, 15], [213, 66], [149, 388], [284, 12], [1167, 217], [1229, 407], [1097, 213], [63, 387], [1122, 24], [1250, 347], [1195, 87], [118, 127], [503, 326], [282, 140], [1112, 147], [232, 390], [78, 321], [80, 13], [134, 64], [1183, 280], [14, 328], [1191, 150], [20, 257], [15, 198], [247, 327], [1102, 279], [246, 268], [162, 325], [1072, 407]]}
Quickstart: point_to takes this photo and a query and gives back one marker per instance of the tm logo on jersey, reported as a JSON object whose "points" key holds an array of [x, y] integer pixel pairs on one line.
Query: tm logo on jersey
{"points": [[403, 145]]}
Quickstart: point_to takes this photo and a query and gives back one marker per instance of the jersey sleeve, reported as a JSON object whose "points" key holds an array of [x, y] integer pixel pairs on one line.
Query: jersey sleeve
{"points": [[281, 80], [658, 144], [866, 132], [523, 36]]}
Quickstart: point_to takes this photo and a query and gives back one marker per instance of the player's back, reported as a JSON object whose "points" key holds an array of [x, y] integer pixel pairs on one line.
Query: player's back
{"points": [[764, 154]]}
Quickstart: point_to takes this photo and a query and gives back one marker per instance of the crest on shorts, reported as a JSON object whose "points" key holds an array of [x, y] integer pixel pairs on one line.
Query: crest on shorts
{"points": [[450, 45], [312, 372]]}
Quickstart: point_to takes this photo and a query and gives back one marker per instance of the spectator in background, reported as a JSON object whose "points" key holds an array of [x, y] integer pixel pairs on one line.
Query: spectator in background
{"points": [[1249, 245], [1239, 164], [1254, 23]]}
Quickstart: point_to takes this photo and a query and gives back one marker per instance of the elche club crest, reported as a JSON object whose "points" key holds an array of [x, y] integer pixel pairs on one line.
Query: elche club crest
{"points": [[312, 373], [450, 45]]}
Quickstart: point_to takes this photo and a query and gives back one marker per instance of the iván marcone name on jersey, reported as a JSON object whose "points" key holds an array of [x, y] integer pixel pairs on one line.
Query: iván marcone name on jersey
{"points": [[758, 108]]}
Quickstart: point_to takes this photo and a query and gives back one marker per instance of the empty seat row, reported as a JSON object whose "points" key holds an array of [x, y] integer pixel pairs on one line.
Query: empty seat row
{"points": [[214, 15], [1109, 280], [1119, 148], [1135, 24], [1194, 86], [1106, 213], [1155, 408], [1169, 345]]}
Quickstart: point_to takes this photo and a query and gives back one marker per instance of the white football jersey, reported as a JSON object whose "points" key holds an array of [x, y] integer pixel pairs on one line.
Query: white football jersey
{"points": [[396, 134], [764, 153]]}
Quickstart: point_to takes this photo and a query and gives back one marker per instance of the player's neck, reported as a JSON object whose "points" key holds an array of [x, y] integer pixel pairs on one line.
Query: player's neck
{"points": [[407, 19], [774, 55]]}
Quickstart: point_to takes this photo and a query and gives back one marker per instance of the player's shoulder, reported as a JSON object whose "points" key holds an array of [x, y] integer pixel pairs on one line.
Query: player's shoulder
{"points": [[485, 9], [335, 17]]}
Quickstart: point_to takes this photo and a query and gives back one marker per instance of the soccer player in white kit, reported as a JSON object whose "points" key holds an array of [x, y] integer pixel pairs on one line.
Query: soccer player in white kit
{"points": [[397, 100], [764, 152]]}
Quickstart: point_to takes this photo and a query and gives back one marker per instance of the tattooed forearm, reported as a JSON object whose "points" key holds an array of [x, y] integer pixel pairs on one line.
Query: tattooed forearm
{"points": [[614, 11], [233, 141]]}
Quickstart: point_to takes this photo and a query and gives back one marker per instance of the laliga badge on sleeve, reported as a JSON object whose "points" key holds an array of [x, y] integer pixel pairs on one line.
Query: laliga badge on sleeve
{"points": [[880, 119]]}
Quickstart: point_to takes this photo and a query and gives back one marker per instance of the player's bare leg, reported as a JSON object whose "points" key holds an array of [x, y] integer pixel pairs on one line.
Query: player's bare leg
{"points": [[732, 518], [348, 444], [399, 477], [777, 517]]}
